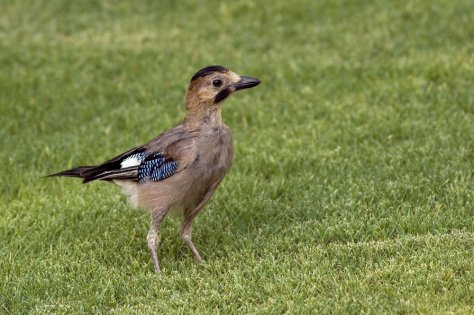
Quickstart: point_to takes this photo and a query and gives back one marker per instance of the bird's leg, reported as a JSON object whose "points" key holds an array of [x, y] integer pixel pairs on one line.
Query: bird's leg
{"points": [[157, 217], [190, 214], [186, 228]]}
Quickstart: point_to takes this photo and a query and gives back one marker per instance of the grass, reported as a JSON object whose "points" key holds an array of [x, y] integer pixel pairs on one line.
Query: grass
{"points": [[352, 185]]}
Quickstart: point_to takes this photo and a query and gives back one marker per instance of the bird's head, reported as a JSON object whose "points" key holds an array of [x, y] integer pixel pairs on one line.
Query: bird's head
{"points": [[211, 85]]}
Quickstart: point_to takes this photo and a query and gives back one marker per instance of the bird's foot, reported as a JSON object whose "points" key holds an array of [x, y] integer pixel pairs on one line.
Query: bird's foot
{"points": [[198, 258]]}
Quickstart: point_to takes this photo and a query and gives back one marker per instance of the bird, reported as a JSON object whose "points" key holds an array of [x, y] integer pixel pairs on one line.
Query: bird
{"points": [[181, 168]]}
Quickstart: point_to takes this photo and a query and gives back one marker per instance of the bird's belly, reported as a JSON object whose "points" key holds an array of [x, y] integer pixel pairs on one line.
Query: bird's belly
{"points": [[184, 189]]}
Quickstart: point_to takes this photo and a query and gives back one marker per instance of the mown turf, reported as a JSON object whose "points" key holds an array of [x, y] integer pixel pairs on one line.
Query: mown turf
{"points": [[352, 187]]}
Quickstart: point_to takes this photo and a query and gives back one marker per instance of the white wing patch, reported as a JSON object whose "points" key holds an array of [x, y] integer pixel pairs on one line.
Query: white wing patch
{"points": [[133, 160]]}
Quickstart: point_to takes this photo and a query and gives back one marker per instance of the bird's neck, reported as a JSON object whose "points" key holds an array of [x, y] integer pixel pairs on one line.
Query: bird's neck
{"points": [[209, 116]]}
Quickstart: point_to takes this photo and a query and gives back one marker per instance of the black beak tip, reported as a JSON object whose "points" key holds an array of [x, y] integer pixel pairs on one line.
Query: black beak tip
{"points": [[246, 83], [257, 82]]}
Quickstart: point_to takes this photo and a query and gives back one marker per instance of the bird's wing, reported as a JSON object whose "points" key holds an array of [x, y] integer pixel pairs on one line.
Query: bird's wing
{"points": [[159, 159], [136, 165]]}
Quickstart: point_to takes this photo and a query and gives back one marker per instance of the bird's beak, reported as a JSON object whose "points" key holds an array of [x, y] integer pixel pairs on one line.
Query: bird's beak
{"points": [[246, 83]]}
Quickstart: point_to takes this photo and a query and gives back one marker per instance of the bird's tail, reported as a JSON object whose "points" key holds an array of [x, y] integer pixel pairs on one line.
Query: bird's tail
{"points": [[73, 172]]}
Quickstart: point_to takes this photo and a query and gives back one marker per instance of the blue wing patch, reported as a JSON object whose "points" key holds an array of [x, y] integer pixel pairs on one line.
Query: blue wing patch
{"points": [[156, 167]]}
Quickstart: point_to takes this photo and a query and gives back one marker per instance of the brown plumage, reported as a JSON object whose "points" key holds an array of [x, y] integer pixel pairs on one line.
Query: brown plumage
{"points": [[182, 167]]}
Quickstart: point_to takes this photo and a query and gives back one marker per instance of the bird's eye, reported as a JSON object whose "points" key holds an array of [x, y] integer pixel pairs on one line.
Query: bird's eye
{"points": [[217, 82]]}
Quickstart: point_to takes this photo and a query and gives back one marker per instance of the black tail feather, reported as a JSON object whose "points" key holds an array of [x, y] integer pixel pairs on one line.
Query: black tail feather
{"points": [[107, 171], [94, 172], [130, 173], [73, 172], [90, 173]]}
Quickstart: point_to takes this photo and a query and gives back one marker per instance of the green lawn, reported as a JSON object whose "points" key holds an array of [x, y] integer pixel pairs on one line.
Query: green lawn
{"points": [[352, 189]]}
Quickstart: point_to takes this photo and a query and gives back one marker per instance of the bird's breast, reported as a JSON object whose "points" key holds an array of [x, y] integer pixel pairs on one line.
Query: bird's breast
{"points": [[215, 153]]}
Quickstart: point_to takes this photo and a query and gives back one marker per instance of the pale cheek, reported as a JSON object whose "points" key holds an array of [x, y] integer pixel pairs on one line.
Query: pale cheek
{"points": [[205, 95]]}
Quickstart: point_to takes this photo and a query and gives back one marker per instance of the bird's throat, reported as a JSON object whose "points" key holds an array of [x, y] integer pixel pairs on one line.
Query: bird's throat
{"points": [[210, 116]]}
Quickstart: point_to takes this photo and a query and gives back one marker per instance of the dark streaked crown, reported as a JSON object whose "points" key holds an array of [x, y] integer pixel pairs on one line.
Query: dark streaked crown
{"points": [[207, 70]]}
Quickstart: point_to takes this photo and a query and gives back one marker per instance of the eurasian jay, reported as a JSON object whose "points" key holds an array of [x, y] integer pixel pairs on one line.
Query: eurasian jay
{"points": [[182, 167]]}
